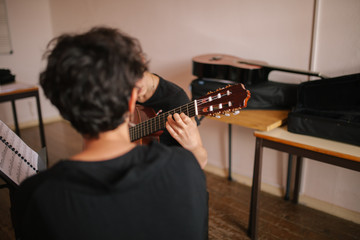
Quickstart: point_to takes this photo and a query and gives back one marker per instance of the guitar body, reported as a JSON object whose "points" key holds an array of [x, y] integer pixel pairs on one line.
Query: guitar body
{"points": [[227, 67], [142, 114]]}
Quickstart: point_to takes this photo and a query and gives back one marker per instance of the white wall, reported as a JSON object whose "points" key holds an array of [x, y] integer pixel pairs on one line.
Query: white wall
{"points": [[337, 52], [30, 30], [338, 37], [172, 32]]}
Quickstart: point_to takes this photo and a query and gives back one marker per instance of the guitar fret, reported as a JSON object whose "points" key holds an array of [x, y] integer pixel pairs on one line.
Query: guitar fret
{"points": [[148, 128]]}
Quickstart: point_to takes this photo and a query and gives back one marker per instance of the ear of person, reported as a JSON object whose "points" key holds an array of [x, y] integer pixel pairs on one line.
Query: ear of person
{"points": [[132, 101]]}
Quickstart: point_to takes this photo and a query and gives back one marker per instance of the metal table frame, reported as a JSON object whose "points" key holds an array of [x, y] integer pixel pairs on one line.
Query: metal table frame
{"points": [[32, 91], [297, 151]]}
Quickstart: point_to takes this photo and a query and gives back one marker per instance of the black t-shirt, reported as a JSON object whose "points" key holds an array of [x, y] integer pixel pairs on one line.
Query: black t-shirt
{"points": [[167, 97], [151, 192]]}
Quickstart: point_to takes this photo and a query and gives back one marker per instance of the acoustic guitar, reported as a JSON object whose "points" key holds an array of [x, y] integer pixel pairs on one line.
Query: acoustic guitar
{"points": [[227, 67], [229, 99], [249, 72]]}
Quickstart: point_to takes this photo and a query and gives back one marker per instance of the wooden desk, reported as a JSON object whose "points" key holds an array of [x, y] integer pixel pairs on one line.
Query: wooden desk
{"points": [[331, 152], [263, 120], [14, 91]]}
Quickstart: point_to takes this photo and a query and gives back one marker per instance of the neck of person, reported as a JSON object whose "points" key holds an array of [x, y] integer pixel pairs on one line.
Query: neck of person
{"points": [[108, 145]]}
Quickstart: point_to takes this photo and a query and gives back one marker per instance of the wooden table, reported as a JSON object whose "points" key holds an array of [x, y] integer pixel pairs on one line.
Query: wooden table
{"points": [[263, 120], [17, 90], [323, 150]]}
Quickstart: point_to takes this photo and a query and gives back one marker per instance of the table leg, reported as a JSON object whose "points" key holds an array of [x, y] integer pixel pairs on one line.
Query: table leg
{"points": [[288, 178], [41, 125], [299, 162], [255, 190], [230, 130], [17, 129]]}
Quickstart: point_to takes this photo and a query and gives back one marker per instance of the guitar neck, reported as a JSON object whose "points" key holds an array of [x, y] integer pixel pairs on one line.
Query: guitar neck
{"points": [[157, 123], [269, 68]]}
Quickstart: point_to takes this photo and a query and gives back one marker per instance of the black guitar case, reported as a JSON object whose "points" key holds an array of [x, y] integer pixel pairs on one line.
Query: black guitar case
{"points": [[328, 108]]}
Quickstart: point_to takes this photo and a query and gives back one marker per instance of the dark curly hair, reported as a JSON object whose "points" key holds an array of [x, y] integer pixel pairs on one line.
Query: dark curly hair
{"points": [[89, 77]]}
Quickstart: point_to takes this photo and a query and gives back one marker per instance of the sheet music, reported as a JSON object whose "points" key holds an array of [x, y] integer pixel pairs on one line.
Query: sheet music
{"points": [[17, 160]]}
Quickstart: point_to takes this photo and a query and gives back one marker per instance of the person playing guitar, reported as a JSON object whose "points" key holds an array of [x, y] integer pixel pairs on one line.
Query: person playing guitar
{"points": [[158, 95]]}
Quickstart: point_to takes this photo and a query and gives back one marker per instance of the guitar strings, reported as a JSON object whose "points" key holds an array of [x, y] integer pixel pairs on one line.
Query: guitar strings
{"points": [[157, 123], [150, 126]]}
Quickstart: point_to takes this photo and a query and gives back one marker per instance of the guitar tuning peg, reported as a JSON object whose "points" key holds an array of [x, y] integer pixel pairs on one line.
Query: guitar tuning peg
{"points": [[217, 116], [236, 112], [227, 114]]}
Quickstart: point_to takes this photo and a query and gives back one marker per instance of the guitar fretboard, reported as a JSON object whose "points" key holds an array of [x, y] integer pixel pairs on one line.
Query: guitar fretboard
{"points": [[157, 123]]}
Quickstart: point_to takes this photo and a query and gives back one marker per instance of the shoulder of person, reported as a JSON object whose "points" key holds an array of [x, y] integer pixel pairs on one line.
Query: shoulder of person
{"points": [[169, 84], [43, 177]]}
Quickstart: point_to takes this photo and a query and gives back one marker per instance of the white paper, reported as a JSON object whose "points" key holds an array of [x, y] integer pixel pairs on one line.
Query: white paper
{"points": [[17, 160]]}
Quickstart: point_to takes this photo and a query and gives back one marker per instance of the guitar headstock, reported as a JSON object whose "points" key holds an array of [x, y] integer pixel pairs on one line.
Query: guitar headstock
{"points": [[229, 99]]}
